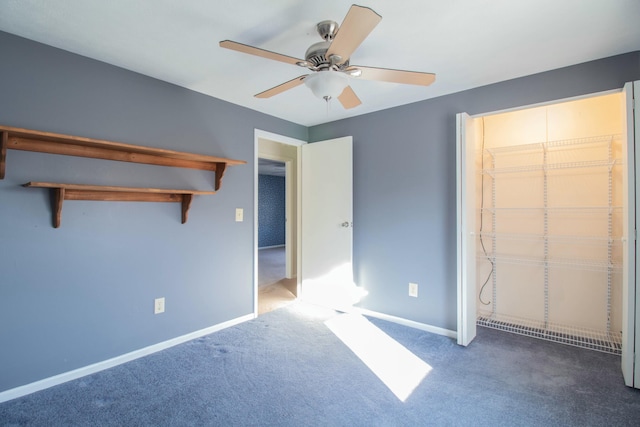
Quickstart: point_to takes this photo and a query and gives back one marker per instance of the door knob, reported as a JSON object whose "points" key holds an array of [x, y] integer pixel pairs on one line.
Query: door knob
{"points": [[346, 224]]}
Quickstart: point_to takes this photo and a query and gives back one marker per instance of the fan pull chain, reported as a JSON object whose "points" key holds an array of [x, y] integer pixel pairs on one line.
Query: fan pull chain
{"points": [[327, 99]]}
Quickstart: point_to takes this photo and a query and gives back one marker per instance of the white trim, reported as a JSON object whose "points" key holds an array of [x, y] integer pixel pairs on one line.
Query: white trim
{"points": [[460, 267], [115, 361], [256, 147], [278, 138], [465, 230], [406, 322]]}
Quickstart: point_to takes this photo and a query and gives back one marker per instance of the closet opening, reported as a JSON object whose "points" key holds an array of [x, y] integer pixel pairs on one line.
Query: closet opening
{"points": [[549, 221]]}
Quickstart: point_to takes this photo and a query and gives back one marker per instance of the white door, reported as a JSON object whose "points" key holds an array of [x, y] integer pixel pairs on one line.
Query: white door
{"points": [[466, 236], [630, 320], [326, 222]]}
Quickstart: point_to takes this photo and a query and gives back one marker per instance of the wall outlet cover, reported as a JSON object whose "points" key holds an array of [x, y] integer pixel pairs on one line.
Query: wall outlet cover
{"points": [[158, 305]]}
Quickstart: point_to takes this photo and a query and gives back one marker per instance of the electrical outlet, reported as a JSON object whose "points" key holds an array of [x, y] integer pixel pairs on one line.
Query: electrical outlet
{"points": [[158, 305], [413, 290], [239, 214]]}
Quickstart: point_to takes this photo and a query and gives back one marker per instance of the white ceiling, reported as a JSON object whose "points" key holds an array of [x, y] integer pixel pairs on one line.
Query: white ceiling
{"points": [[271, 167], [467, 43]]}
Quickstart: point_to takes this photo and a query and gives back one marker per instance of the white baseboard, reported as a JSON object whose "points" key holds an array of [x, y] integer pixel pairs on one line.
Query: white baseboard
{"points": [[115, 361], [271, 247], [405, 322], [399, 320]]}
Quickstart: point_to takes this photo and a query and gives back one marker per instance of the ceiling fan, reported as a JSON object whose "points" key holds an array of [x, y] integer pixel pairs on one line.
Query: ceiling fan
{"points": [[330, 60]]}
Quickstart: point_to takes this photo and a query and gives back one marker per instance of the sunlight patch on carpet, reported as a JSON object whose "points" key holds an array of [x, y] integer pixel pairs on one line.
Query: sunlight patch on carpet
{"points": [[399, 369], [312, 311]]}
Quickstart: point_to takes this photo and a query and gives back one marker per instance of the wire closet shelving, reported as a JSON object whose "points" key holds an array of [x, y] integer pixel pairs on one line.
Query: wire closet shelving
{"points": [[549, 245]]}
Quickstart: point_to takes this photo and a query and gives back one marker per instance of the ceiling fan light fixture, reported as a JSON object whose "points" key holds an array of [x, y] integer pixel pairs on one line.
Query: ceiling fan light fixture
{"points": [[329, 60], [327, 84]]}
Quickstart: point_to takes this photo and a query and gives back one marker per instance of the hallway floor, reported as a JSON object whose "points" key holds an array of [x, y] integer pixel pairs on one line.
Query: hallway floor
{"points": [[274, 289]]}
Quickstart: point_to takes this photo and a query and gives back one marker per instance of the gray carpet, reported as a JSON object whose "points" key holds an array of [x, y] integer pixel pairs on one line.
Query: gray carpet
{"points": [[287, 368]]}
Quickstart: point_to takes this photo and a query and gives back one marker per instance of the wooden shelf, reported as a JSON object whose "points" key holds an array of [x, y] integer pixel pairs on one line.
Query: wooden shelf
{"points": [[46, 142], [61, 192]]}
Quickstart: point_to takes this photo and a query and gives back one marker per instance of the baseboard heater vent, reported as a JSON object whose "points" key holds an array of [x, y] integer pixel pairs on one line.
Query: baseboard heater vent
{"points": [[607, 343]]}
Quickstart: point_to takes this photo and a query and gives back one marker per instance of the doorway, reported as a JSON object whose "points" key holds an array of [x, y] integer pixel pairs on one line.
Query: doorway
{"points": [[275, 267], [275, 288], [542, 201], [327, 254]]}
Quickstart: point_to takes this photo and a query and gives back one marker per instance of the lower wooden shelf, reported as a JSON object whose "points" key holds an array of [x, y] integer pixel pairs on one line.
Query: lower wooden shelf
{"points": [[61, 192]]}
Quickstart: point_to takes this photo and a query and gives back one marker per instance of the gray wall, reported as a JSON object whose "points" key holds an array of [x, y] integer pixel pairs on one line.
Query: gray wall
{"points": [[405, 184], [84, 292]]}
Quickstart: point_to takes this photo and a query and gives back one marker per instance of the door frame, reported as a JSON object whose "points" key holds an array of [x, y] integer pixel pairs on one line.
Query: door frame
{"points": [[280, 139], [463, 294]]}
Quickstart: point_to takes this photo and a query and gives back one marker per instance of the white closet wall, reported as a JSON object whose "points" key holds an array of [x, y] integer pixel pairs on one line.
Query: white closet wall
{"points": [[550, 221]]}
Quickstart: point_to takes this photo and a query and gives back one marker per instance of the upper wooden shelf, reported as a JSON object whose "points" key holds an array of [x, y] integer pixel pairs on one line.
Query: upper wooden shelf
{"points": [[46, 142], [62, 192]]}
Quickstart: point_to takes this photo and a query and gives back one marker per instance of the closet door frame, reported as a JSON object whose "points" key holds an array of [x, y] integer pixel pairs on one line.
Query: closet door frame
{"points": [[631, 298], [466, 236]]}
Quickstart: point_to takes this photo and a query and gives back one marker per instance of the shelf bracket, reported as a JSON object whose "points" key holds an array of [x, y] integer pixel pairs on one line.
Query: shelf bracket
{"points": [[58, 199], [186, 204], [4, 142], [220, 169], [61, 192]]}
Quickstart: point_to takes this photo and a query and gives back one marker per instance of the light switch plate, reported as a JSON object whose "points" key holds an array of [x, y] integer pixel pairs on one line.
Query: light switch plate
{"points": [[413, 290], [239, 214]]}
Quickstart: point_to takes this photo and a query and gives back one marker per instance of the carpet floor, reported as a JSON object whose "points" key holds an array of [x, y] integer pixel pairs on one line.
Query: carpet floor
{"points": [[298, 366]]}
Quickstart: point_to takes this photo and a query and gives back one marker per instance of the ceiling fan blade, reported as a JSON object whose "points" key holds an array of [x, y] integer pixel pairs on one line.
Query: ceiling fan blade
{"points": [[228, 44], [348, 98], [282, 87], [357, 25], [395, 76]]}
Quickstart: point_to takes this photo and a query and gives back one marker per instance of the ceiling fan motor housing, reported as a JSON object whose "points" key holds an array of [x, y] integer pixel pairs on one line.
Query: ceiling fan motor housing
{"points": [[315, 54]]}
